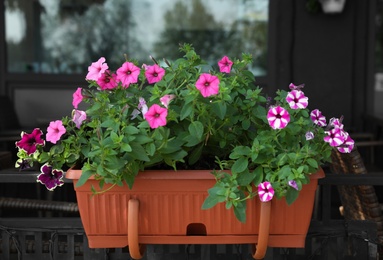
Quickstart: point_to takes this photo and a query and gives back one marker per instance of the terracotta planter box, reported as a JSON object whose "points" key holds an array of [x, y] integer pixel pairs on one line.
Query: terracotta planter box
{"points": [[166, 207]]}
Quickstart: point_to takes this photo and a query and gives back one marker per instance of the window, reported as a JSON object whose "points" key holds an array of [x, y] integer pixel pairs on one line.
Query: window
{"points": [[64, 36]]}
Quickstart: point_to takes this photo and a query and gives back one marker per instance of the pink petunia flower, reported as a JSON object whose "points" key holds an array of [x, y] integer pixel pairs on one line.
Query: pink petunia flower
{"points": [[225, 65], [278, 117], [77, 97], [207, 84], [78, 116], [55, 131], [165, 100], [335, 137], [29, 142], [96, 69], [318, 118], [50, 177], [293, 184], [297, 99], [347, 145], [265, 191], [156, 116], [128, 73], [107, 80], [154, 73]]}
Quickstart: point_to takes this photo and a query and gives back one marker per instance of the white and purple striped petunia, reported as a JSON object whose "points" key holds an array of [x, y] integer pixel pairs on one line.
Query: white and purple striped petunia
{"points": [[293, 184], [335, 137], [347, 145], [278, 117], [318, 118], [297, 99], [265, 191]]}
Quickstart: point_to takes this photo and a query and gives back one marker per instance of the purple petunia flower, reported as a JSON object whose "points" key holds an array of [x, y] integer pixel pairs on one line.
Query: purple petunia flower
{"points": [[309, 135], [347, 145], [265, 191], [297, 99], [50, 177], [278, 117], [335, 137], [318, 118], [29, 142], [293, 184]]}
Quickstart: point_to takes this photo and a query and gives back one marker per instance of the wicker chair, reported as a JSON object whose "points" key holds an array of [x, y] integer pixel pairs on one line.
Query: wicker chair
{"points": [[358, 202]]}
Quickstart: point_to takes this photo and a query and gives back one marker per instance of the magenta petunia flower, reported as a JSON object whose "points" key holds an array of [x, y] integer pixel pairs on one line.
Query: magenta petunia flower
{"points": [[128, 73], [318, 118], [347, 145], [50, 177], [265, 191], [165, 100], [78, 117], [29, 142], [297, 99], [55, 131], [96, 69], [225, 65], [156, 116], [107, 80], [293, 184], [207, 84], [278, 117], [154, 73], [77, 97], [335, 137]]}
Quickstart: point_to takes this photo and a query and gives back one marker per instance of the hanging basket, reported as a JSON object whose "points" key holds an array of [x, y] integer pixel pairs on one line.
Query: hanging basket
{"points": [[164, 207]]}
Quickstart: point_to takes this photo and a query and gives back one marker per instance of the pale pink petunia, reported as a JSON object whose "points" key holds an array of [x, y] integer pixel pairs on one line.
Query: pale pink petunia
{"points": [[265, 191], [77, 97], [55, 131], [335, 137], [207, 84], [225, 65], [336, 122], [141, 108], [96, 69], [156, 116], [278, 117], [293, 184], [297, 99], [154, 73], [78, 116], [165, 100], [318, 118], [128, 74], [107, 80]]}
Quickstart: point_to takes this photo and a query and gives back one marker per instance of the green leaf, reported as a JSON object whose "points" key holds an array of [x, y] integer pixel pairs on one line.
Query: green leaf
{"points": [[258, 175], [240, 165], [186, 110], [291, 195], [219, 108], [210, 201], [312, 163], [196, 129], [240, 211], [245, 178], [86, 173]]}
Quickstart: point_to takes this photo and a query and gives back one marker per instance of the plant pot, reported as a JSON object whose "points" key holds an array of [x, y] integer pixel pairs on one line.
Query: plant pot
{"points": [[164, 207]]}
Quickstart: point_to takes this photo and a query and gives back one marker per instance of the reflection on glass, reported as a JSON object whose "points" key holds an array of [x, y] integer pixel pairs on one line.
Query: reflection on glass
{"points": [[64, 36]]}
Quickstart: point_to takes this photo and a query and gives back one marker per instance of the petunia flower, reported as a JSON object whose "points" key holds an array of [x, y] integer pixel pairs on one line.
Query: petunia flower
{"points": [[50, 177], [296, 87], [96, 69], [265, 191], [77, 97], [309, 135], [55, 131], [107, 80], [29, 142], [225, 65], [293, 184], [23, 164], [335, 137], [78, 116], [128, 73], [141, 108], [318, 118], [336, 122], [297, 99], [207, 84], [156, 116], [154, 73], [165, 100], [347, 146], [278, 117]]}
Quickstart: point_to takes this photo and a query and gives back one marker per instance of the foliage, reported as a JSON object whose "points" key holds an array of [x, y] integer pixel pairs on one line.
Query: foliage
{"points": [[185, 115]]}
